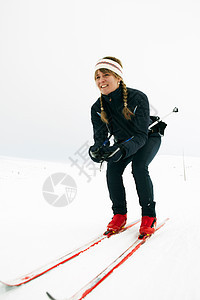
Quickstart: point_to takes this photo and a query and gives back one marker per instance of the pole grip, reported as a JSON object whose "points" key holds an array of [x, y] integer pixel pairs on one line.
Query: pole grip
{"points": [[161, 119]]}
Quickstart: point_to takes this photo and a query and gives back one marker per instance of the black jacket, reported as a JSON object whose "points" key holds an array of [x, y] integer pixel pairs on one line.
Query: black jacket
{"points": [[131, 134]]}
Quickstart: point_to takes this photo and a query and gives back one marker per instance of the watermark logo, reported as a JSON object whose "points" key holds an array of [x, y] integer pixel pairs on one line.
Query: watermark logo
{"points": [[59, 189], [83, 162]]}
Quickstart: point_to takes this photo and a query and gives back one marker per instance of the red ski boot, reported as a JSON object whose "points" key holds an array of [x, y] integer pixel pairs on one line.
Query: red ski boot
{"points": [[148, 225], [118, 221]]}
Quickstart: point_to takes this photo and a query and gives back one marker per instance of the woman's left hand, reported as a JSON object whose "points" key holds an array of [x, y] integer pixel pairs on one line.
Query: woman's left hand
{"points": [[112, 153]]}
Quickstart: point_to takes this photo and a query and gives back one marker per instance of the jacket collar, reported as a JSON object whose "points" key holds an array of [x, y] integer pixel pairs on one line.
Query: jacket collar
{"points": [[115, 95]]}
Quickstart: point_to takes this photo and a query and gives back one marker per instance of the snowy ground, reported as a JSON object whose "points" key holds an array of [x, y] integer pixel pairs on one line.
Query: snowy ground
{"points": [[34, 232]]}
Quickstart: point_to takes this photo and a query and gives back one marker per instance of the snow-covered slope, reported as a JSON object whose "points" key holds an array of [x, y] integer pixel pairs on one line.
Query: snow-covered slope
{"points": [[34, 232]]}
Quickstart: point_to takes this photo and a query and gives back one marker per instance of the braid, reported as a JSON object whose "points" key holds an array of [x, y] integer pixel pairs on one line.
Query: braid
{"points": [[126, 111], [103, 113]]}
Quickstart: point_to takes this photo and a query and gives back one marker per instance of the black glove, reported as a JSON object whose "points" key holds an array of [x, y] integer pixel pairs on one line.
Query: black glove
{"points": [[105, 153], [113, 153], [95, 153], [159, 127]]}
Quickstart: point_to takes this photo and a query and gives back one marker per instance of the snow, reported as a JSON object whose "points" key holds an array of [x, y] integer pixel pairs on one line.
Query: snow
{"points": [[33, 232]]}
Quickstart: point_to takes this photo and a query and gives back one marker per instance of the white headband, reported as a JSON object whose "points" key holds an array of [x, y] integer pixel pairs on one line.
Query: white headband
{"points": [[110, 65]]}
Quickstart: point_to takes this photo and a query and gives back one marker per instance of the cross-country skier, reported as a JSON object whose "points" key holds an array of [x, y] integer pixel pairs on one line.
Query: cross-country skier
{"points": [[124, 113]]}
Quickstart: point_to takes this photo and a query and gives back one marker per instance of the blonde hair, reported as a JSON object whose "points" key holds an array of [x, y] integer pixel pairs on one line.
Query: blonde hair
{"points": [[126, 111]]}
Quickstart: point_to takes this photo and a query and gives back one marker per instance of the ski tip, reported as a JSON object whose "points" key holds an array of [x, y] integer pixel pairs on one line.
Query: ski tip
{"points": [[8, 285], [50, 297]]}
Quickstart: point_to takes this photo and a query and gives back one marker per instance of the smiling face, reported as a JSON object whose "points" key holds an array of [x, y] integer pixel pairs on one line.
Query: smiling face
{"points": [[106, 81]]}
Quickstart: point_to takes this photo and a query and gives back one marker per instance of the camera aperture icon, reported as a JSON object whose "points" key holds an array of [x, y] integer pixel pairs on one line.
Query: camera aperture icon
{"points": [[59, 189]]}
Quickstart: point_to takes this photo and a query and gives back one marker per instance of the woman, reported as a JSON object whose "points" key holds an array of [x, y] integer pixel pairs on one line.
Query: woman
{"points": [[123, 113]]}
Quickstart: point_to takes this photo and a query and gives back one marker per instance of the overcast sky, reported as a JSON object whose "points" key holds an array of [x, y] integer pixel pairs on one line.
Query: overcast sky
{"points": [[48, 49]]}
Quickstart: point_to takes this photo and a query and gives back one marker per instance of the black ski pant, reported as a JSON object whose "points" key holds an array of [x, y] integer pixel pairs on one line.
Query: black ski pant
{"points": [[140, 162]]}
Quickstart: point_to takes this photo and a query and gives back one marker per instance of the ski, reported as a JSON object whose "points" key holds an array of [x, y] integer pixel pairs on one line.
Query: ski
{"points": [[63, 259], [88, 288]]}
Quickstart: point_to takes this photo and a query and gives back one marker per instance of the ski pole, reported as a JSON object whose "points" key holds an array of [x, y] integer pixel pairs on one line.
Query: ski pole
{"points": [[161, 119]]}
